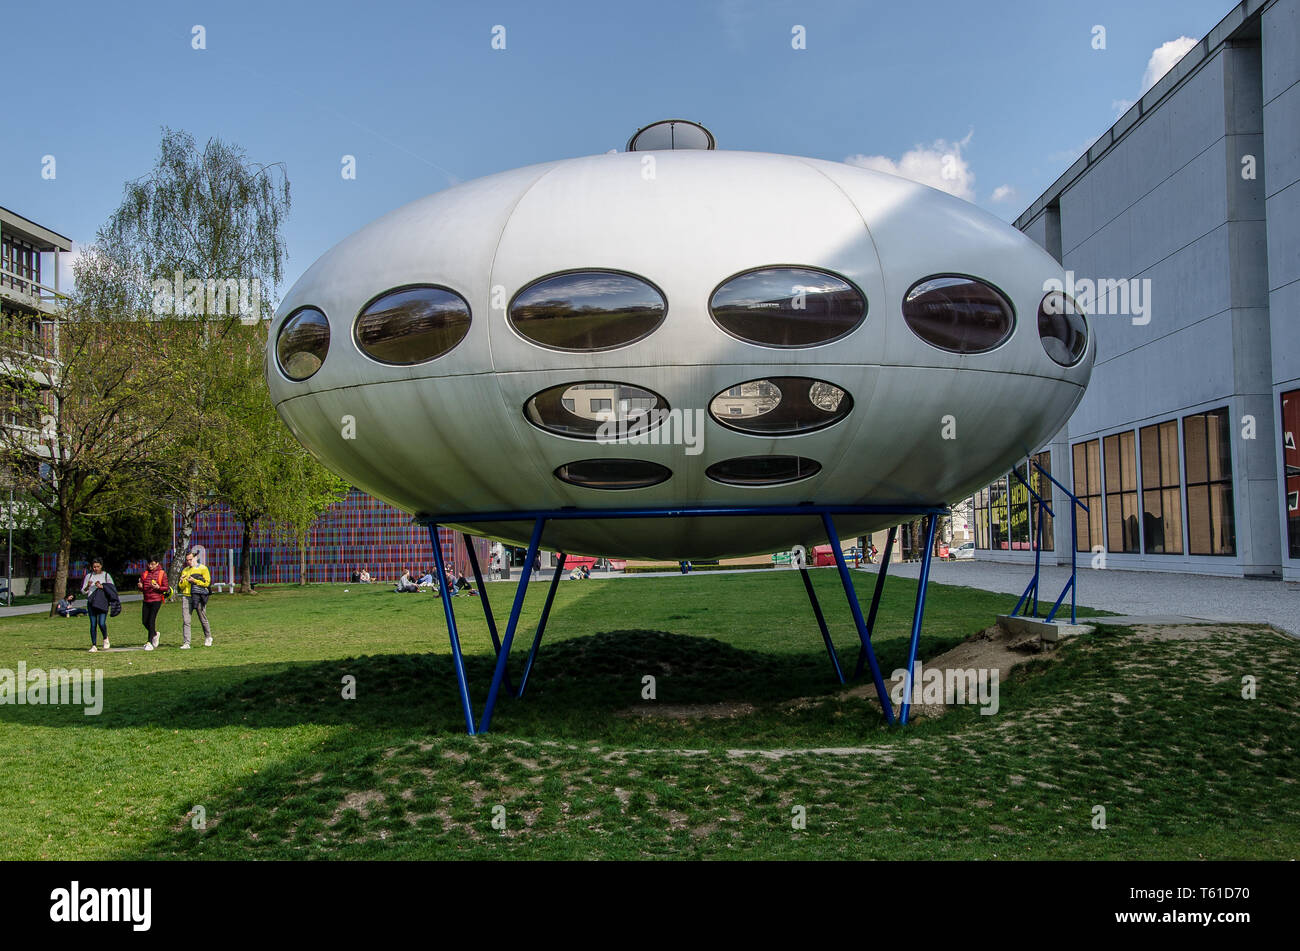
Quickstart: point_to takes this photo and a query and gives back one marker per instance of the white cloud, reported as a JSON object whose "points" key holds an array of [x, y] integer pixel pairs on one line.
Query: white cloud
{"points": [[1163, 58], [939, 165], [1003, 193], [1121, 106]]}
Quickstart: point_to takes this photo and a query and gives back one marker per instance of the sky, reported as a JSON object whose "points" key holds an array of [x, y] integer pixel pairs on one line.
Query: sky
{"points": [[1007, 94]]}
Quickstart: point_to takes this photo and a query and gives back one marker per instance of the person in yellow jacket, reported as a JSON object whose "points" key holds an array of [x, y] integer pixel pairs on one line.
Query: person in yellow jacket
{"points": [[195, 586]]}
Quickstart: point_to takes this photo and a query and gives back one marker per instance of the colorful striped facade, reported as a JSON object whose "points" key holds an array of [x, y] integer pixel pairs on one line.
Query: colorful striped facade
{"points": [[354, 533]]}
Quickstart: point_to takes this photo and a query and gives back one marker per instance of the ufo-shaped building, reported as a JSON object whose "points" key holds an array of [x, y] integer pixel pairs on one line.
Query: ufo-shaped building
{"points": [[677, 326]]}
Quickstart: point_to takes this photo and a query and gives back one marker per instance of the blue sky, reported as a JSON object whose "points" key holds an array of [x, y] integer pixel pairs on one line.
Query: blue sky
{"points": [[419, 96]]}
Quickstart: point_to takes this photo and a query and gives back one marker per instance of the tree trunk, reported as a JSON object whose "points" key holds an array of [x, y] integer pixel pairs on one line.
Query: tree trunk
{"points": [[189, 517], [245, 562], [64, 558], [302, 558]]}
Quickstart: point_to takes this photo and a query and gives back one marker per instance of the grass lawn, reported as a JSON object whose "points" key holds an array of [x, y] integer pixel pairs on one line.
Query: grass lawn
{"points": [[256, 732]]}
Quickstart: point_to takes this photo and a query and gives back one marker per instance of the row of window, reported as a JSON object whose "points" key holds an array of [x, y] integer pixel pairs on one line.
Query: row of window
{"points": [[641, 473], [1131, 508], [1006, 515], [777, 406], [1147, 514], [590, 311]]}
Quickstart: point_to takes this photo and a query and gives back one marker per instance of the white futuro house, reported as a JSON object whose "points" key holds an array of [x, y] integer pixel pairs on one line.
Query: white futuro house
{"points": [[821, 321]]}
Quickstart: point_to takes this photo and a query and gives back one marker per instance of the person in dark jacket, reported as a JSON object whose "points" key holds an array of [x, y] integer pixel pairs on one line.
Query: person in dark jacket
{"points": [[156, 587], [101, 595]]}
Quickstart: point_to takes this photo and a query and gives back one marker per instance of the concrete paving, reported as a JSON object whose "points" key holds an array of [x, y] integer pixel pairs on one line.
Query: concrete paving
{"points": [[1141, 593]]}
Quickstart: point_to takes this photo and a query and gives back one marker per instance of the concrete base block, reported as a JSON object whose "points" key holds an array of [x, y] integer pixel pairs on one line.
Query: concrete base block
{"points": [[1049, 631]]}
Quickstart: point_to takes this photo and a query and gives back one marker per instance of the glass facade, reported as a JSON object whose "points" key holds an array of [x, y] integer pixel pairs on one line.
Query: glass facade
{"points": [[999, 517], [1207, 449], [1043, 486], [1018, 495], [1291, 469], [1087, 486], [1122, 528], [1162, 490], [982, 518]]}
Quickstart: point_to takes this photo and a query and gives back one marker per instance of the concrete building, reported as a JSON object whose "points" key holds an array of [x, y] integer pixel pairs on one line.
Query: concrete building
{"points": [[1180, 227]]}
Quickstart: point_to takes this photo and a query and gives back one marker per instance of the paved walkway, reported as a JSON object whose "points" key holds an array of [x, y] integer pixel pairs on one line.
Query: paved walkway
{"points": [[45, 608], [1206, 597]]}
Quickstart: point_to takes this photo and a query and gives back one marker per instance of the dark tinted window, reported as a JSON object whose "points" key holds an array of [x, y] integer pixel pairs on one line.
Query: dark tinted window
{"points": [[412, 324], [780, 406], [787, 307], [303, 342], [958, 314], [1063, 329], [613, 473], [762, 470], [587, 310], [581, 409]]}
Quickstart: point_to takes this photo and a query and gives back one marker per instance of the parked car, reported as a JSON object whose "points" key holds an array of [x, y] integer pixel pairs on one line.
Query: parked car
{"points": [[965, 552]]}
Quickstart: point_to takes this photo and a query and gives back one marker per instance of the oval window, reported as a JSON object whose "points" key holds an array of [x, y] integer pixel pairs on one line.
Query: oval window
{"points": [[613, 473], [959, 314], [303, 342], [412, 324], [762, 470], [588, 310], [1063, 328], [780, 406], [787, 307], [595, 410]]}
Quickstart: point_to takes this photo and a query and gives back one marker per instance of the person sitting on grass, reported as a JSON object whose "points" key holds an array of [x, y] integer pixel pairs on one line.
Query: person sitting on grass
{"points": [[463, 585], [66, 607], [406, 584], [364, 577], [426, 580]]}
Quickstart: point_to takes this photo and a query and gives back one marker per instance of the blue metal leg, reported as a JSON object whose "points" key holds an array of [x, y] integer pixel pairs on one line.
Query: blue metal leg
{"points": [[541, 624], [500, 672], [875, 598], [457, 658], [821, 622], [922, 583], [856, 608], [487, 608]]}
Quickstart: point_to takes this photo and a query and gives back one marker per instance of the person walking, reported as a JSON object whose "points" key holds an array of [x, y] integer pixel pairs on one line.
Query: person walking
{"points": [[156, 587], [195, 585], [100, 594]]}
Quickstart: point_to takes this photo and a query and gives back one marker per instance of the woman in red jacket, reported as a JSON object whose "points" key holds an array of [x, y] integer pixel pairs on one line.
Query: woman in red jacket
{"points": [[155, 586]]}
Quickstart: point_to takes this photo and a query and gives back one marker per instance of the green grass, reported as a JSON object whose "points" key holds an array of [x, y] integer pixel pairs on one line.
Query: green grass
{"points": [[256, 732]]}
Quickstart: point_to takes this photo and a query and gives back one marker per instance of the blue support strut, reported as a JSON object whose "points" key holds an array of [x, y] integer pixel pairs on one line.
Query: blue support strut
{"points": [[922, 583], [487, 608], [500, 672], [821, 623], [856, 608], [457, 658], [541, 624], [875, 597]]}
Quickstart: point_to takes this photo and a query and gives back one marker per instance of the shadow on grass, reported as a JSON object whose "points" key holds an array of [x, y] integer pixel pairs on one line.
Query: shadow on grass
{"points": [[577, 686]]}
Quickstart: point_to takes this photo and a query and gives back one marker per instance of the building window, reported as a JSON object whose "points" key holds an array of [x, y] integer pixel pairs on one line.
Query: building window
{"points": [[998, 515], [1121, 492], [1291, 468], [788, 307], [602, 406], [781, 406], [1043, 486], [981, 504], [303, 343], [1020, 498], [555, 410], [588, 310], [1162, 490], [1087, 486], [412, 325], [958, 314], [762, 470], [1211, 528]]}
